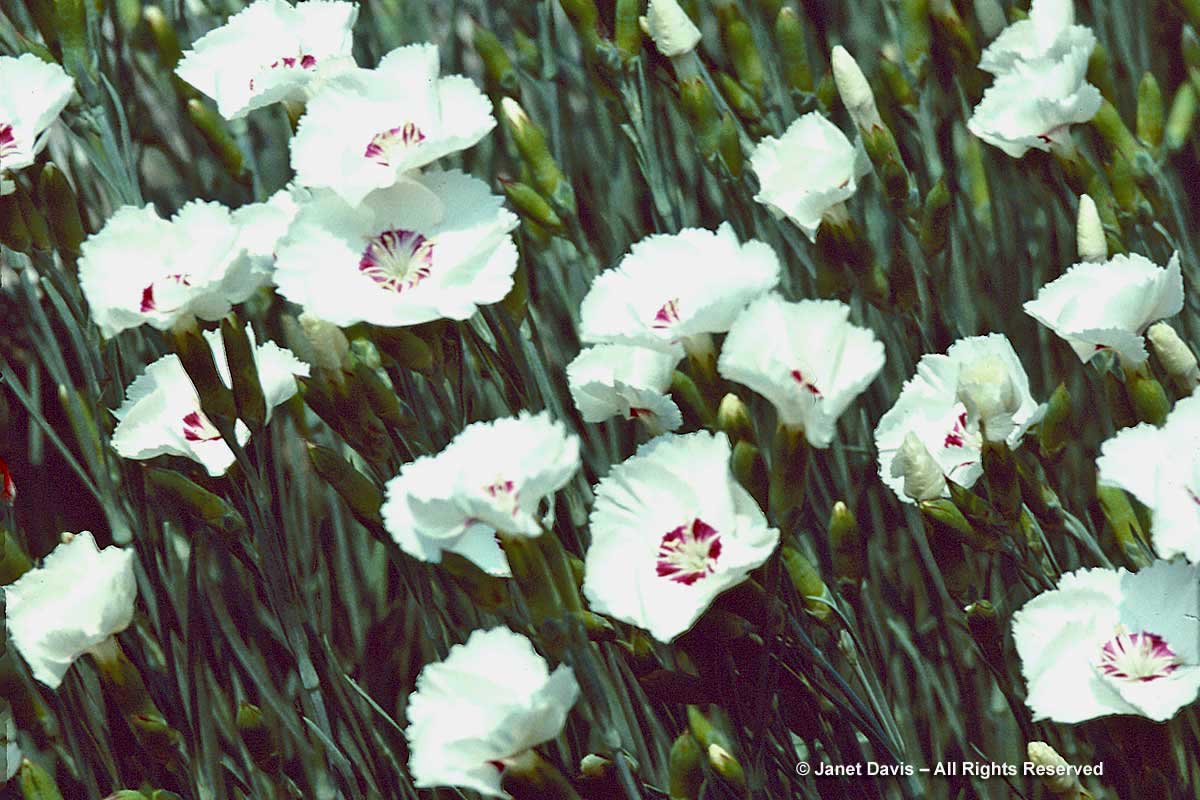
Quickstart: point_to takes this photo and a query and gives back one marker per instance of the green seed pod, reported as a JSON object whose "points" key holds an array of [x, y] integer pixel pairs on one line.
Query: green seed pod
{"points": [[743, 54], [627, 31], [257, 736], [793, 50], [14, 234], [216, 400], [362, 496], [807, 580], [243, 370], [173, 493], [848, 547], [685, 768], [531, 142], [58, 199], [1055, 429], [935, 219], [1125, 526], [1181, 117], [35, 221], [698, 107], [1150, 112], [496, 64], [36, 783], [531, 205], [216, 135]]}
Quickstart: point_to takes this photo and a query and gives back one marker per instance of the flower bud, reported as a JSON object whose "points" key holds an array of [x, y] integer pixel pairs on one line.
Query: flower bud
{"points": [[1124, 523], [1175, 356], [696, 100], [1055, 428], [807, 581], [854, 90], [1089, 232], [670, 27], [531, 142], [751, 471], [935, 219], [793, 50], [173, 493], [1111, 127], [404, 347], [58, 199], [847, 547], [530, 204], [1043, 755], [585, 18], [923, 477], [496, 64], [917, 34], [734, 419], [739, 44], [36, 783], [1150, 111], [731, 146], [987, 390], [684, 768], [724, 764], [1181, 117], [329, 347], [1147, 395], [362, 496], [627, 30]]}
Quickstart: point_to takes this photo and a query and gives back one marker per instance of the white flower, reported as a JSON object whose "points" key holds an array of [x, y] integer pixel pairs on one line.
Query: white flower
{"points": [[670, 27], [1049, 33], [269, 52], [1161, 467], [854, 90], [671, 530], [492, 477], [1112, 642], [1108, 305], [1035, 103], [807, 358], [922, 475], [492, 698], [142, 269], [262, 225], [812, 168], [32, 95], [928, 406], [434, 246], [611, 380], [161, 414], [671, 287], [76, 600], [987, 391], [1089, 232], [367, 127]]}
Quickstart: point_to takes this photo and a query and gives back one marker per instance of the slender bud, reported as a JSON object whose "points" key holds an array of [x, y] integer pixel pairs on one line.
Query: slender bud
{"points": [[739, 44], [670, 27], [531, 142], [497, 66], [923, 477], [918, 34], [847, 546], [173, 492], [1111, 127], [740, 100], [585, 18], [361, 494], [685, 768], [532, 206], [698, 107], [854, 90], [724, 764], [751, 471], [166, 41], [1125, 526], [1175, 356], [1147, 395], [935, 219], [1150, 111], [1089, 232], [627, 30], [808, 584], [1055, 428], [1100, 72], [793, 50], [1056, 772], [58, 199], [731, 146], [789, 470], [36, 783], [243, 373], [1181, 117], [734, 419]]}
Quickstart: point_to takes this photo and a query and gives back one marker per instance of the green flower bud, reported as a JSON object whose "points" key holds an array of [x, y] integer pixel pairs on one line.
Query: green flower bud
{"points": [[935, 219], [734, 419], [848, 547], [881, 146], [947, 520], [1111, 127], [701, 113], [360, 493], [1055, 429], [687, 396], [56, 196], [497, 66], [585, 18], [743, 54], [917, 34], [1150, 112], [740, 100], [793, 50], [1125, 526], [789, 471], [1100, 73], [36, 783], [1181, 117], [533, 576], [14, 234], [751, 471], [35, 222], [175, 494], [215, 132], [488, 592], [166, 41], [731, 146], [531, 142], [627, 31], [685, 768], [895, 80], [807, 580], [531, 205], [1119, 403], [1147, 395]]}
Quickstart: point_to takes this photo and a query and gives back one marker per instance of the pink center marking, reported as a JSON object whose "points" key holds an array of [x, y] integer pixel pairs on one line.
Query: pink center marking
{"points": [[1140, 657], [689, 552], [8, 488], [807, 385], [148, 303], [397, 259], [957, 437], [304, 61], [197, 428], [505, 493], [8, 140], [386, 143], [666, 316]]}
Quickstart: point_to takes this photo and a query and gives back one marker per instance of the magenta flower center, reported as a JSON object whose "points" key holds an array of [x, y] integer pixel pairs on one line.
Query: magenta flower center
{"points": [[666, 316], [689, 552], [957, 437], [397, 259], [304, 61], [806, 384], [505, 494], [387, 144], [8, 140], [1139, 657], [198, 428], [149, 302]]}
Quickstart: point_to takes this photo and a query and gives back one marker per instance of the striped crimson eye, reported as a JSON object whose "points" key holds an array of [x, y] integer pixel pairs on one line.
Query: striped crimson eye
{"points": [[8, 140], [386, 144], [397, 259], [1140, 657], [689, 552]]}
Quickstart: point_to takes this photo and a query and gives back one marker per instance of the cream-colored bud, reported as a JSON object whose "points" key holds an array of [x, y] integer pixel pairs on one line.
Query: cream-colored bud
{"points": [[923, 477], [991, 18], [329, 345], [1044, 756], [670, 27], [1177, 358], [987, 390], [854, 90], [1089, 232]]}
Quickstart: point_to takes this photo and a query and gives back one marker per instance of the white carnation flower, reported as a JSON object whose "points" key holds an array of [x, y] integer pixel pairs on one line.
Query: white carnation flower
{"points": [[491, 699], [1035, 103], [433, 246], [611, 380], [161, 414], [32, 95], [1049, 32], [1112, 642], [809, 170], [817, 362], [75, 601], [1161, 467], [368, 127], [671, 287], [269, 52], [929, 407], [671, 530], [1108, 305], [142, 269], [492, 477]]}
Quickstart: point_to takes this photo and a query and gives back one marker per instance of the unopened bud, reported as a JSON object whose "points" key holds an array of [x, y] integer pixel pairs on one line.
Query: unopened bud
{"points": [[173, 493], [725, 765], [847, 546], [990, 16], [923, 477], [627, 30], [361, 494], [243, 373], [1055, 428], [854, 90], [329, 346], [987, 390], [684, 768], [36, 783], [1181, 117], [734, 419], [1175, 356], [1147, 395], [1057, 775], [215, 132], [1089, 232], [807, 581], [696, 100], [530, 204], [496, 64], [531, 142], [58, 199], [739, 44], [1150, 111], [670, 27], [793, 50]]}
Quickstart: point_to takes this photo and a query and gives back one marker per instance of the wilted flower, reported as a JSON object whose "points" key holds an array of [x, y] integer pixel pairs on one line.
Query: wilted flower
{"points": [[815, 364], [930, 408], [915, 465], [269, 52], [161, 414], [1112, 642], [1161, 467], [1109, 305], [809, 170], [368, 127], [670, 27], [432, 246], [492, 477], [491, 699], [611, 380], [142, 269], [1049, 33], [32, 95], [672, 287], [75, 601], [671, 530]]}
